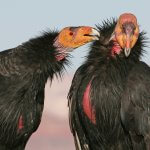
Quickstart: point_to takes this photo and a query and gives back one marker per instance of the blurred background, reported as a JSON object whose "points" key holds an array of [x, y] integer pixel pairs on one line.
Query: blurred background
{"points": [[21, 20]]}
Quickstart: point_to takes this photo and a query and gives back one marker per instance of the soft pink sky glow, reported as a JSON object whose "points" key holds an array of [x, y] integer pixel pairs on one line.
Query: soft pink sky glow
{"points": [[54, 132]]}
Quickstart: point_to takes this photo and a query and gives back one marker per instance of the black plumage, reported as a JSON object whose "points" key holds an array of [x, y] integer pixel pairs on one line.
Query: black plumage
{"points": [[24, 70], [135, 106], [109, 96]]}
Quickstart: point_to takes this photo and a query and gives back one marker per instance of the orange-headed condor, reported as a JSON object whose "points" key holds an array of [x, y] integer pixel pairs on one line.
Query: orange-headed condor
{"points": [[24, 70]]}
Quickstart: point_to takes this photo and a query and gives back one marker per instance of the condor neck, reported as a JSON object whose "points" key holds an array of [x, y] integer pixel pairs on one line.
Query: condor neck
{"points": [[62, 51], [41, 55], [119, 62], [100, 55]]}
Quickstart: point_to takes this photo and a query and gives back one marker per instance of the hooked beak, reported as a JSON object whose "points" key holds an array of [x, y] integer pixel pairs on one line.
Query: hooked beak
{"points": [[93, 34], [127, 51]]}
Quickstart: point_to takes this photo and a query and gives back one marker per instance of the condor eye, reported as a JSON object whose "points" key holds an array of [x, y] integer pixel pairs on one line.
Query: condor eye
{"points": [[71, 33]]}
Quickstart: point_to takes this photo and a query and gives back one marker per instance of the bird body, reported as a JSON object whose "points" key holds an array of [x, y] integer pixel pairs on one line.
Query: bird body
{"points": [[103, 98], [105, 131], [24, 71]]}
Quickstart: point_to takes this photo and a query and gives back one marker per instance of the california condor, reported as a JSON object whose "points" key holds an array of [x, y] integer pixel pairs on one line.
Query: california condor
{"points": [[109, 99], [24, 70]]}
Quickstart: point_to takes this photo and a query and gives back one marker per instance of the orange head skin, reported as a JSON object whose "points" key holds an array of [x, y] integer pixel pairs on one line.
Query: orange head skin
{"points": [[127, 32], [73, 37]]}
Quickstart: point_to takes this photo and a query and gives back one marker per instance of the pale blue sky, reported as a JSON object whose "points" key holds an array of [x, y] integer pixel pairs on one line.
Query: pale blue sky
{"points": [[21, 20]]}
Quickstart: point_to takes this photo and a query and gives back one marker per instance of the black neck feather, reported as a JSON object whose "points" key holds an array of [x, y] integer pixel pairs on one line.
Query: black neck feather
{"points": [[41, 55]]}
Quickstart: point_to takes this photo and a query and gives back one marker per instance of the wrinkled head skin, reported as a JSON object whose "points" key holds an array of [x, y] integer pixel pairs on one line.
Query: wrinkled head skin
{"points": [[73, 37], [127, 32]]}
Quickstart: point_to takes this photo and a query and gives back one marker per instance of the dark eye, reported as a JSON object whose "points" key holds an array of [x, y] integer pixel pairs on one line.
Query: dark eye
{"points": [[71, 33]]}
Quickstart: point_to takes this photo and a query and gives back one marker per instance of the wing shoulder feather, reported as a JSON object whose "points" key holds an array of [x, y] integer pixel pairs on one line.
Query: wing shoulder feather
{"points": [[135, 103], [72, 94], [74, 120]]}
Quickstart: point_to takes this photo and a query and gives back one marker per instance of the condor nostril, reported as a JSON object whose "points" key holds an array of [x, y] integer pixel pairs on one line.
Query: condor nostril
{"points": [[86, 35]]}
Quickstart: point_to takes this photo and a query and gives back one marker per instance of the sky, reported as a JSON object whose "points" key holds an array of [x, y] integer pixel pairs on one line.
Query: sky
{"points": [[21, 20]]}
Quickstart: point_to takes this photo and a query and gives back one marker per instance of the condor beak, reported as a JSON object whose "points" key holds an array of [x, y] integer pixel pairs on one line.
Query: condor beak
{"points": [[92, 33], [127, 51], [95, 34]]}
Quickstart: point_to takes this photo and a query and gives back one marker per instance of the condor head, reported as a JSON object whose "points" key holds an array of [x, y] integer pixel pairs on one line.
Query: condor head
{"points": [[127, 32]]}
